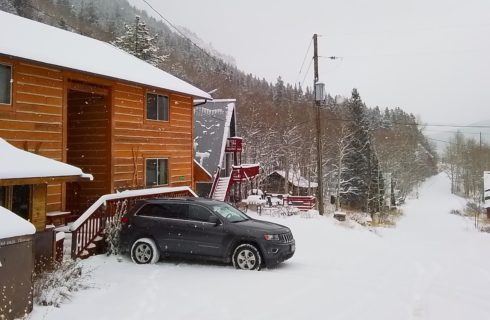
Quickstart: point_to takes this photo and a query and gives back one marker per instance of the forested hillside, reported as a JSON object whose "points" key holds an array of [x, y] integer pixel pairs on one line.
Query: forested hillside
{"points": [[366, 151]]}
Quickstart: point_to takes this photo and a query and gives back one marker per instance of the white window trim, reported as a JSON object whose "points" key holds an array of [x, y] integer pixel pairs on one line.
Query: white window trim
{"points": [[158, 109], [168, 171]]}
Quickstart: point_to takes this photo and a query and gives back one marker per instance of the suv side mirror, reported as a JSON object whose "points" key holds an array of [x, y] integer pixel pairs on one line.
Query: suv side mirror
{"points": [[214, 219]]}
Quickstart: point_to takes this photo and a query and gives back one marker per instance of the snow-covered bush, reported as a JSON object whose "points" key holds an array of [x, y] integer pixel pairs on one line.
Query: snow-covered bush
{"points": [[472, 209], [485, 228], [360, 217], [52, 288], [456, 212], [112, 232]]}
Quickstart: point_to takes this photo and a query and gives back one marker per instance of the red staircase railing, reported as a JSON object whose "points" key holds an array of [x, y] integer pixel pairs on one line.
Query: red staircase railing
{"points": [[91, 224]]}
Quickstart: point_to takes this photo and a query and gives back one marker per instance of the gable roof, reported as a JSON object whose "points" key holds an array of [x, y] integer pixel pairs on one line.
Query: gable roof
{"points": [[214, 122], [296, 179], [39, 42], [19, 164]]}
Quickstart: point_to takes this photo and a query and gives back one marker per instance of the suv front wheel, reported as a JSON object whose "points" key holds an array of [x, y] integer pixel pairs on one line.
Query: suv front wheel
{"points": [[144, 251], [247, 257]]}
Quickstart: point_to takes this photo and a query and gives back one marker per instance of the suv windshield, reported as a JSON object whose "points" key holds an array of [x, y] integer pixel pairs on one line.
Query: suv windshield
{"points": [[229, 213]]}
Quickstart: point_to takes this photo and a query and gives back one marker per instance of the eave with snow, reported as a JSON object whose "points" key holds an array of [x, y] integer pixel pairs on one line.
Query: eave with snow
{"points": [[298, 185], [24, 177], [20, 167], [93, 106]]}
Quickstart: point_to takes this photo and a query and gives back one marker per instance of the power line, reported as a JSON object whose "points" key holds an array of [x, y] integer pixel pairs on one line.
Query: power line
{"points": [[178, 31], [306, 74], [304, 60]]}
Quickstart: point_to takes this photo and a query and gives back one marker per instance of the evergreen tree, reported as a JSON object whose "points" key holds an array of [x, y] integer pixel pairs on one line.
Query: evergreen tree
{"points": [[138, 41], [357, 163], [7, 6], [24, 8]]}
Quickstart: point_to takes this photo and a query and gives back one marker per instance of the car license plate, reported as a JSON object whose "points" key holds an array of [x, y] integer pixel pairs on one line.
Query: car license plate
{"points": [[293, 247]]}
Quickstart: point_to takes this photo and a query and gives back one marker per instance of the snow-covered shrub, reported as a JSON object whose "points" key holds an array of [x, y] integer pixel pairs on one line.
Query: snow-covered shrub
{"points": [[472, 209], [360, 217], [52, 288], [485, 228], [456, 212], [112, 233]]}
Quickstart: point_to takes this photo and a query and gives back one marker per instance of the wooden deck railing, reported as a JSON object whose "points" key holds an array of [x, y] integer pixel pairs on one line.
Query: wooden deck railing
{"points": [[91, 224]]}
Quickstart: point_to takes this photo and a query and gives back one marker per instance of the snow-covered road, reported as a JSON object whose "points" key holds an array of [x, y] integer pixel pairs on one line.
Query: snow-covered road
{"points": [[433, 265]]}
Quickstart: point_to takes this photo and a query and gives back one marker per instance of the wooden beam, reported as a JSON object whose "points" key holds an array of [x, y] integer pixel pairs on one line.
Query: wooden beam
{"points": [[40, 180]]}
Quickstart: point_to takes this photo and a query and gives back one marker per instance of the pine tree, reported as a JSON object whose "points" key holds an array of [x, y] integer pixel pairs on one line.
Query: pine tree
{"points": [[357, 172], [138, 41], [7, 6]]}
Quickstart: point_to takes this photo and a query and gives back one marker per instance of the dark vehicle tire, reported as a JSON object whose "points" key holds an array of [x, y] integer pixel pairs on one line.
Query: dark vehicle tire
{"points": [[144, 251], [247, 257]]}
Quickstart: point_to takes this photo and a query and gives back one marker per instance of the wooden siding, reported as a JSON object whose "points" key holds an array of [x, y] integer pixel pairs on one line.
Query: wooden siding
{"points": [[34, 121], [37, 121], [88, 146], [136, 138]]}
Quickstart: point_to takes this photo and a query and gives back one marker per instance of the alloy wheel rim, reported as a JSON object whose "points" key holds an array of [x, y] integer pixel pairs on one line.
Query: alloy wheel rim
{"points": [[143, 253], [246, 259]]}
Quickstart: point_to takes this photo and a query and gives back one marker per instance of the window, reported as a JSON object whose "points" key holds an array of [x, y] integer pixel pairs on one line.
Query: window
{"points": [[150, 210], [156, 172], [156, 107], [17, 199], [175, 211], [21, 196], [3, 196], [198, 213], [5, 84], [165, 210]]}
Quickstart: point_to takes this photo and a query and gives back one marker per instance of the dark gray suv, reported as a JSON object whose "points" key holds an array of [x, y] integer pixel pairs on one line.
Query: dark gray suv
{"points": [[203, 228]]}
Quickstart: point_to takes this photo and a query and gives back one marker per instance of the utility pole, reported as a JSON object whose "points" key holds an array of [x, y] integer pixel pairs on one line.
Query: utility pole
{"points": [[318, 127]]}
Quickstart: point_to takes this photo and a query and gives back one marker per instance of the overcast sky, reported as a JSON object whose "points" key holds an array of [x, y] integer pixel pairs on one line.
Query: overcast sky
{"points": [[429, 57]]}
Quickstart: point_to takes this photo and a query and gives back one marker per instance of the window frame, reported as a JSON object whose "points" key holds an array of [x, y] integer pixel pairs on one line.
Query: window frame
{"points": [[168, 171], [11, 98], [146, 107]]}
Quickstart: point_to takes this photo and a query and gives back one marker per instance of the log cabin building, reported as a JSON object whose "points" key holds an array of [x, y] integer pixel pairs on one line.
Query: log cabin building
{"points": [[86, 103]]}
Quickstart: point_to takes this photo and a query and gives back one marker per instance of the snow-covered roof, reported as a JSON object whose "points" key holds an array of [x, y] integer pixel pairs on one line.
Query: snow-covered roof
{"points": [[486, 187], [11, 225], [24, 38], [19, 164], [296, 179], [214, 123]]}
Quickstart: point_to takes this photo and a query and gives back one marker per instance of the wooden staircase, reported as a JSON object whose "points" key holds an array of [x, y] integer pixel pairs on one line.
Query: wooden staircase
{"points": [[222, 188]]}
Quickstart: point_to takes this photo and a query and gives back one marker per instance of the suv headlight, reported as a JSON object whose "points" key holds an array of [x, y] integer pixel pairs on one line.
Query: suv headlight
{"points": [[271, 237]]}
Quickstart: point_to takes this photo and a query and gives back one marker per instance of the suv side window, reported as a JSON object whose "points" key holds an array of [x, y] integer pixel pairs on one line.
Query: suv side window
{"points": [[150, 210], [174, 211], [198, 213], [165, 210]]}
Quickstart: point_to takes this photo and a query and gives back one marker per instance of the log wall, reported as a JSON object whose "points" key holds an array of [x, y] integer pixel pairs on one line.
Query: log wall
{"points": [[37, 121]]}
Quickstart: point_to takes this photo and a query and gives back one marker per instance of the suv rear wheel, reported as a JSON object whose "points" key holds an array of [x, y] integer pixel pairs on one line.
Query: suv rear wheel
{"points": [[247, 257], [144, 251]]}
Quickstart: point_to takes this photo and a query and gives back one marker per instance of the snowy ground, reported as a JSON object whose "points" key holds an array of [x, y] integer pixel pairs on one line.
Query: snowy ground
{"points": [[433, 265]]}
